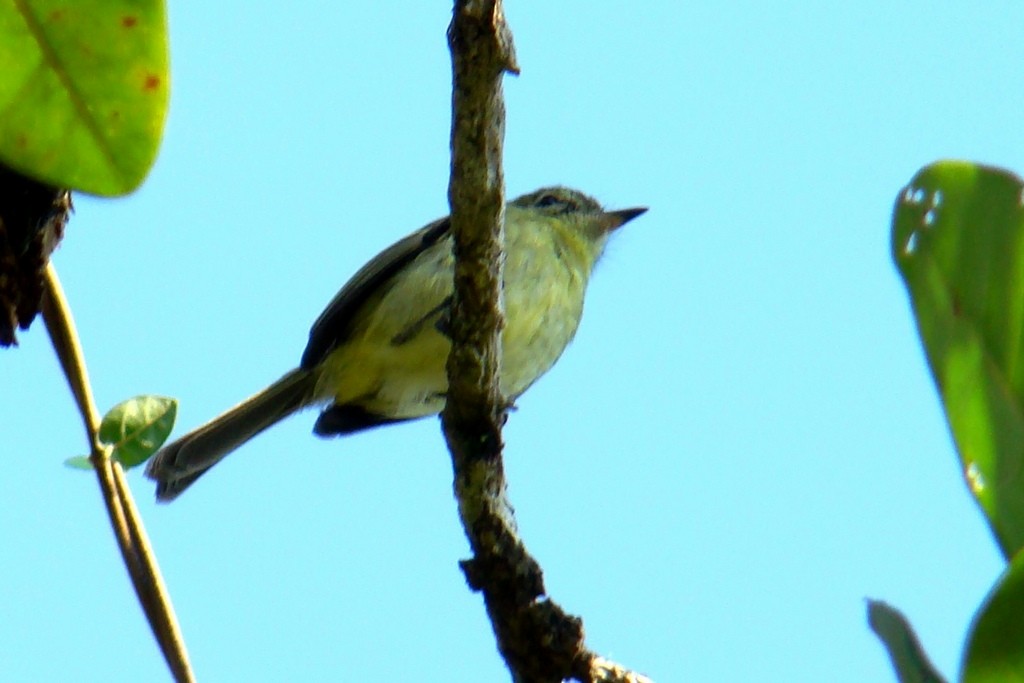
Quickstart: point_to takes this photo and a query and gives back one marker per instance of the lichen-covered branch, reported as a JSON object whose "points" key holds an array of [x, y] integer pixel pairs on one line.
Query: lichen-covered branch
{"points": [[537, 639]]}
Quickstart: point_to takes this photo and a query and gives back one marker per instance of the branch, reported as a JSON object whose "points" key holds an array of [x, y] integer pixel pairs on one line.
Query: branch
{"points": [[124, 517], [537, 639]]}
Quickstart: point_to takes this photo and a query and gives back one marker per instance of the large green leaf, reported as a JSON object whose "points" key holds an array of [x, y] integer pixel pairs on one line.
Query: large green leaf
{"points": [[83, 90], [958, 241], [995, 648]]}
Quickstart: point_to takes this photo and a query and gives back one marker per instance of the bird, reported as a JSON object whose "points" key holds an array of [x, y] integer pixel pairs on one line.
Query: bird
{"points": [[377, 354]]}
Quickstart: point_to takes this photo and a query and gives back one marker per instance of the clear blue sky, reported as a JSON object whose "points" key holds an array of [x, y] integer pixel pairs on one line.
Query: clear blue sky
{"points": [[742, 444]]}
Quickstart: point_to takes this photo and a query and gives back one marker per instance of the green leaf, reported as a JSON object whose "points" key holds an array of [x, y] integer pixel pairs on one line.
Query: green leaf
{"points": [[958, 241], [138, 427], [905, 651], [79, 462], [83, 90], [995, 648]]}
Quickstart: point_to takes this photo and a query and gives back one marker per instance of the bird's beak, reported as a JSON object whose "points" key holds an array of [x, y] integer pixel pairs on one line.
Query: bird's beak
{"points": [[613, 220]]}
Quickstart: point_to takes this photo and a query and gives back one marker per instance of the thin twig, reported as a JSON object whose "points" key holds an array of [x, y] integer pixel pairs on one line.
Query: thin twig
{"points": [[159, 601], [537, 639], [64, 337], [124, 517]]}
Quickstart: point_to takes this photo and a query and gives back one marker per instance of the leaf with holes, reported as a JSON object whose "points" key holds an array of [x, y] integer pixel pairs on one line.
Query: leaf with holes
{"points": [[83, 90], [958, 241], [137, 427], [994, 653]]}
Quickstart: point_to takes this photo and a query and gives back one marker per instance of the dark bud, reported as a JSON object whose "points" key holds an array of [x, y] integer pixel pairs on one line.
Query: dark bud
{"points": [[32, 219]]}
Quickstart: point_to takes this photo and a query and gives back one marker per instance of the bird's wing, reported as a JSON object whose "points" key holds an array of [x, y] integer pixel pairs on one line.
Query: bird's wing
{"points": [[334, 325]]}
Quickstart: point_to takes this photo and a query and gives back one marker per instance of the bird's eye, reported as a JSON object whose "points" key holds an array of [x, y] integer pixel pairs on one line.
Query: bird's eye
{"points": [[548, 200]]}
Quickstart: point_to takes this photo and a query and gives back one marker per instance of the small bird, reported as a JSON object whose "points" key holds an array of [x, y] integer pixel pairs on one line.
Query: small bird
{"points": [[377, 354]]}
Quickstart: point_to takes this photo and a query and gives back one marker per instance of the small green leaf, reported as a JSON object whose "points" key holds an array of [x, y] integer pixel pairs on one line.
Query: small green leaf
{"points": [[79, 462], [138, 427], [995, 648], [958, 241], [905, 651], [83, 90]]}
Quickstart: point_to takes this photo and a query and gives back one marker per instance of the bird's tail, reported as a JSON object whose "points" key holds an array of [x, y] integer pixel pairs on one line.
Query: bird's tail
{"points": [[180, 463]]}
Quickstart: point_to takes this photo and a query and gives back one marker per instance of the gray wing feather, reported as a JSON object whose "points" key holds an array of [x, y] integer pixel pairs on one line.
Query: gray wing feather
{"points": [[334, 325]]}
